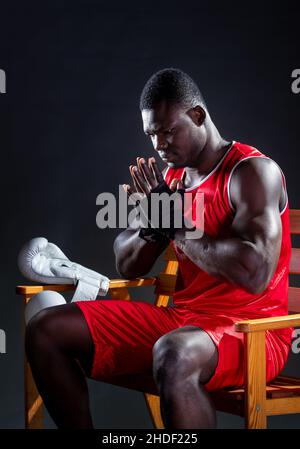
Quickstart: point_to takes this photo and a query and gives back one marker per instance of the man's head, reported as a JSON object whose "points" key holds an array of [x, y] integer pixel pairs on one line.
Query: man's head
{"points": [[174, 115]]}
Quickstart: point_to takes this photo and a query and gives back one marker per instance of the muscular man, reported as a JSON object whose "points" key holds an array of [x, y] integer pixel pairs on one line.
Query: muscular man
{"points": [[238, 269]]}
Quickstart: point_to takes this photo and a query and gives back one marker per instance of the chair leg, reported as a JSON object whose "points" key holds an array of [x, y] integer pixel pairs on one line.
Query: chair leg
{"points": [[153, 404], [255, 381], [34, 410]]}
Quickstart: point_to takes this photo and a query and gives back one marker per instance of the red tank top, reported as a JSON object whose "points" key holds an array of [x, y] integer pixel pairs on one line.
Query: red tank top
{"points": [[200, 291]]}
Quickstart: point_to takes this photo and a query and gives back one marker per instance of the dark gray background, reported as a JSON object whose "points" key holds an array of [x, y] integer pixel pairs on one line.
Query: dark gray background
{"points": [[70, 126]]}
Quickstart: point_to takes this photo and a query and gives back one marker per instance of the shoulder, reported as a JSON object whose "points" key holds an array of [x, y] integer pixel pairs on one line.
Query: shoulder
{"points": [[257, 180]]}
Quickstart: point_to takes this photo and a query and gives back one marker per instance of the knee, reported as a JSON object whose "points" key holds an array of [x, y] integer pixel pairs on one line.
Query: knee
{"points": [[170, 361], [41, 330], [176, 359]]}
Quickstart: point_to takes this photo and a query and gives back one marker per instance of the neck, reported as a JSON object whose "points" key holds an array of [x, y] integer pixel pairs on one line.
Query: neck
{"points": [[213, 151]]}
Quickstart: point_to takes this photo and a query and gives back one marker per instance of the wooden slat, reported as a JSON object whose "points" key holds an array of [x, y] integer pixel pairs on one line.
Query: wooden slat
{"points": [[294, 299], [232, 400], [255, 381], [283, 392], [170, 254], [138, 282], [162, 296], [281, 406], [153, 404], [162, 300], [295, 261], [295, 221], [166, 284], [286, 380], [119, 293], [263, 324], [34, 409], [34, 412], [113, 283], [33, 289], [283, 386]]}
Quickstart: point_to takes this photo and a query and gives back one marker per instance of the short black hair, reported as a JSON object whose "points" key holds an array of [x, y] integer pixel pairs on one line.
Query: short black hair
{"points": [[173, 86]]}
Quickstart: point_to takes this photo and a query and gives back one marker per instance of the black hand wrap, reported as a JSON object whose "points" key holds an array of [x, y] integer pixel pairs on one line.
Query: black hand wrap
{"points": [[161, 233]]}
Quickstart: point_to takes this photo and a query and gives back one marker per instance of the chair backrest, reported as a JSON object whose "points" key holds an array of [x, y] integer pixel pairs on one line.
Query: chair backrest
{"points": [[294, 292], [167, 278], [166, 281]]}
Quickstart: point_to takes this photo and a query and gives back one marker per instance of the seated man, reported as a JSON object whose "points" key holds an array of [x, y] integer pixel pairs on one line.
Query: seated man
{"points": [[238, 269]]}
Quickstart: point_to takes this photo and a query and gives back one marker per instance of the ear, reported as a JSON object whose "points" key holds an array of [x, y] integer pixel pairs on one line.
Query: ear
{"points": [[197, 114]]}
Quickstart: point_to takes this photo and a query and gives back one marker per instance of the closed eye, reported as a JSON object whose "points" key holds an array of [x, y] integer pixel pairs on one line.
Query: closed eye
{"points": [[167, 131]]}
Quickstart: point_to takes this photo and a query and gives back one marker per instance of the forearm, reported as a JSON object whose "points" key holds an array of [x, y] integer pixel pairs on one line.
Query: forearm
{"points": [[134, 256], [233, 259]]}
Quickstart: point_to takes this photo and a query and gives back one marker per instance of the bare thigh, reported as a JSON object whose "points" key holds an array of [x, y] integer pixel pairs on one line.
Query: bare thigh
{"points": [[64, 328]]}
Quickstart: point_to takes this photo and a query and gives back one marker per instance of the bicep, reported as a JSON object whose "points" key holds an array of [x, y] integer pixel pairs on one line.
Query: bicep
{"points": [[255, 191]]}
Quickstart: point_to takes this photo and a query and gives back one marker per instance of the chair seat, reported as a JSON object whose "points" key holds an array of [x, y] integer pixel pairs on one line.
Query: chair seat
{"points": [[231, 400]]}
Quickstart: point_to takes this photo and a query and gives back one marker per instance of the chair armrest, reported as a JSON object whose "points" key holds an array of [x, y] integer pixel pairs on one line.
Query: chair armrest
{"points": [[264, 324], [113, 283], [33, 289], [138, 282]]}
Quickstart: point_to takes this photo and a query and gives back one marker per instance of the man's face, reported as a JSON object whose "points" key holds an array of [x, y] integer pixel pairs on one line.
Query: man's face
{"points": [[177, 135]]}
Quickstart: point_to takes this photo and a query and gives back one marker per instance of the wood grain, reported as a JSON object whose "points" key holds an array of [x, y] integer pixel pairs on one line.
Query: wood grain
{"points": [[255, 381]]}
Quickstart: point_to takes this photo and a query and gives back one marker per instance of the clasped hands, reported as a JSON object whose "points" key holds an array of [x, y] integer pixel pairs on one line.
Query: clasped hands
{"points": [[147, 180]]}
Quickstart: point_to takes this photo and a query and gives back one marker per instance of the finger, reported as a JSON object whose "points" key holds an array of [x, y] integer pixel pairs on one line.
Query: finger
{"points": [[138, 180], [155, 170], [146, 172], [128, 189], [138, 196], [180, 189], [180, 185], [174, 184], [135, 183]]}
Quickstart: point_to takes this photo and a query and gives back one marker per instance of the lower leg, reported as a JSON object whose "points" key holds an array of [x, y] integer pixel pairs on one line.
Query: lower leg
{"points": [[183, 361], [53, 356], [187, 405]]}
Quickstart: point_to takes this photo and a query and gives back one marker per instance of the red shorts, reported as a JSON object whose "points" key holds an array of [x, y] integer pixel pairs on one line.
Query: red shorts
{"points": [[124, 333]]}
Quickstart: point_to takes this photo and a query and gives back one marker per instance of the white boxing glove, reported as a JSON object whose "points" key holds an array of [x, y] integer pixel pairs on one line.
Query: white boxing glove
{"points": [[41, 301], [42, 261]]}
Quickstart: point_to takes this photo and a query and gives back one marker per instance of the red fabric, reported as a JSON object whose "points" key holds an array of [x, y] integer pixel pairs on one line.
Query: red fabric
{"points": [[125, 332]]}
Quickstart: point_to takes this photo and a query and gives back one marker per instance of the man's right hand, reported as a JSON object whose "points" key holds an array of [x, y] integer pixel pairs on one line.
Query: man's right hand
{"points": [[134, 256], [147, 180]]}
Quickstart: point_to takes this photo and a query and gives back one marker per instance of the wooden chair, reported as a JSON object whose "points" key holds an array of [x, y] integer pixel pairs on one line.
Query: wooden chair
{"points": [[256, 401]]}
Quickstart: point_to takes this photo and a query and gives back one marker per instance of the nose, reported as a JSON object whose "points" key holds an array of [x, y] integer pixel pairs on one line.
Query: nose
{"points": [[159, 143]]}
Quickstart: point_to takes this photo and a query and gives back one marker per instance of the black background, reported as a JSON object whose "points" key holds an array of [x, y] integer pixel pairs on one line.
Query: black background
{"points": [[70, 126]]}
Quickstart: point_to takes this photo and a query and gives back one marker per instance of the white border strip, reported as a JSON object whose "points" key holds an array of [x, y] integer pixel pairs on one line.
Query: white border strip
{"points": [[213, 171], [165, 174]]}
